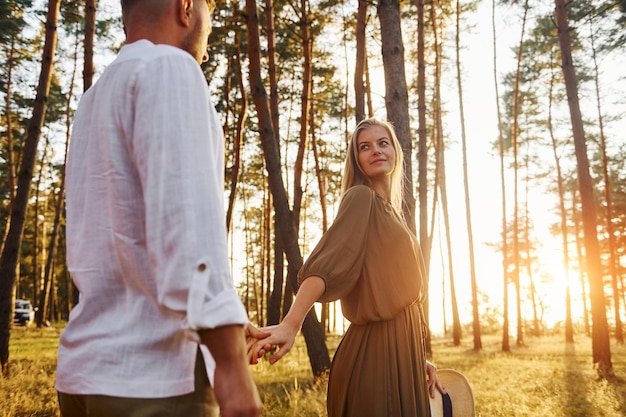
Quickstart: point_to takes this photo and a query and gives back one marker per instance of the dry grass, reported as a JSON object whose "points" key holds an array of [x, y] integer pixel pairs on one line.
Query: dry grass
{"points": [[544, 378], [28, 390], [547, 377]]}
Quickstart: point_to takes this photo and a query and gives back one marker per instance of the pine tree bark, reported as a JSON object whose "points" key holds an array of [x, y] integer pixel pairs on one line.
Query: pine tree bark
{"points": [[610, 229], [240, 122], [422, 158], [9, 127], [468, 213], [506, 347], [396, 94], [569, 328], [304, 110], [274, 302], [601, 347], [359, 65], [11, 249], [90, 31], [53, 244], [440, 172], [311, 329], [422, 152], [581, 262], [515, 144]]}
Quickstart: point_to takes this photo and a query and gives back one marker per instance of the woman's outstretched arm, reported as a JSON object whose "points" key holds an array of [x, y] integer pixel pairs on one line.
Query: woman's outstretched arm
{"points": [[284, 334]]}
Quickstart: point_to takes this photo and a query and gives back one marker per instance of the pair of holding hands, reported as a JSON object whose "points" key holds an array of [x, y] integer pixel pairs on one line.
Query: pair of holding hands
{"points": [[266, 339], [282, 336]]}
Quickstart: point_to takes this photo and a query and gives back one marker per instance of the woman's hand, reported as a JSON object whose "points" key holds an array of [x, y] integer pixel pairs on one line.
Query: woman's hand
{"points": [[282, 336], [433, 381], [254, 335]]}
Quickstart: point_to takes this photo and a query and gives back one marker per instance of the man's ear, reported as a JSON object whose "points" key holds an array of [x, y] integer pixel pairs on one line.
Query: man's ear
{"points": [[185, 11]]}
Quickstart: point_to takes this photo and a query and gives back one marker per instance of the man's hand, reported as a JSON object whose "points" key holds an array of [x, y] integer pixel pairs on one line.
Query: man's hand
{"points": [[253, 335], [234, 387], [282, 336]]}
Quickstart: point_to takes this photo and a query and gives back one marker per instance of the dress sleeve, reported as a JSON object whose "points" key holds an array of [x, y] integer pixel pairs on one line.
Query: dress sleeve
{"points": [[338, 256]]}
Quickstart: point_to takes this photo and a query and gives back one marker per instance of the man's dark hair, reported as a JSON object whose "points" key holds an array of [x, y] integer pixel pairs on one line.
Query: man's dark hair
{"points": [[127, 4]]}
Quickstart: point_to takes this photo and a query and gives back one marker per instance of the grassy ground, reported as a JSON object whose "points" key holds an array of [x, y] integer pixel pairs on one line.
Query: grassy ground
{"points": [[544, 378], [29, 388], [547, 377]]}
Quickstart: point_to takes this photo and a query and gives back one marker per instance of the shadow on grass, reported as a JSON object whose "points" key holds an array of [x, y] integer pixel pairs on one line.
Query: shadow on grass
{"points": [[617, 384], [578, 403]]}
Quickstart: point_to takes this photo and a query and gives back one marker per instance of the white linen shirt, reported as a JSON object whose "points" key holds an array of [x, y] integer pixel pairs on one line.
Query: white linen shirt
{"points": [[146, 232]]}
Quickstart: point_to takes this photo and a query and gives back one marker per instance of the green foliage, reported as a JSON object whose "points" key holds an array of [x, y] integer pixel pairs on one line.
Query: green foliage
{"points": [[72, 11], [12, 18]]}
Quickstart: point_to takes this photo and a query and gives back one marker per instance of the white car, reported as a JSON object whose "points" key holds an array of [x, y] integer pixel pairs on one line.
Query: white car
{"points": [[24, 313]]}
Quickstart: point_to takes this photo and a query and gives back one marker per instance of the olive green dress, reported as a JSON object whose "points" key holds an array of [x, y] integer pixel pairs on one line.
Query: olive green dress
{"points": [[373, 264]]}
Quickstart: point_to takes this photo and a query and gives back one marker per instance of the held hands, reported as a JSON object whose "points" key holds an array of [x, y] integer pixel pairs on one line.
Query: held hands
{"points": [[284, 334], [261, 341], [254, 335]]}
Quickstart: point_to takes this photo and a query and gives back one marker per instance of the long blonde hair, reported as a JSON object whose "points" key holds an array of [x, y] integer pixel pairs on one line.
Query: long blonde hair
{"points": [[353, 173]]}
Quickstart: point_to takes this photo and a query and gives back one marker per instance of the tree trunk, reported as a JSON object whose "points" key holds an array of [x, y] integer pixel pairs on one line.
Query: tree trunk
{"points": [[240, 122], [247, 246], [505, 249], [582, 264], [456, 321], [39, 239], [441, 173], [10, 149], [536, 329], [274, 303], [613, 261], [359, 65], [422, 148], [600, 332], [468, 213], [11, 249], [88, 71], [569, 328], [396, 94], [44, 297], [368, 89], [321, 185], [515, 142], [311, 329], [267, 252], [59, 205], [90, 31], [422, 157], [304, 111]]}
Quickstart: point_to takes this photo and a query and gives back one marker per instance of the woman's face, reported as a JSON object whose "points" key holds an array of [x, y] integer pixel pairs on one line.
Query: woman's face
{"points": [[376, 154]]}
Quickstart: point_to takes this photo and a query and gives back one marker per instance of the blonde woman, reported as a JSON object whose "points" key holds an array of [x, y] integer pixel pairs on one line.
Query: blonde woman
{"points": [[371, 261]]}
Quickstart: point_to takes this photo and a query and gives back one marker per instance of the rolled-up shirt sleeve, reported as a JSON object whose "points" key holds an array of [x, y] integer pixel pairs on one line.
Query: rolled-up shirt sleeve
{"points": [[178, 146]]}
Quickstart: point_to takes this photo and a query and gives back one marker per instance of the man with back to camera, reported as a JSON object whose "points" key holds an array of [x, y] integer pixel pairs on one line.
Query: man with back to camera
{"points": [[146, 236]]}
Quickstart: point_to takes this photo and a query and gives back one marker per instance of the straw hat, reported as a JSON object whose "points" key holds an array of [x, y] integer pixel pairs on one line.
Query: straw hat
{"points": [[460, 395]]}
